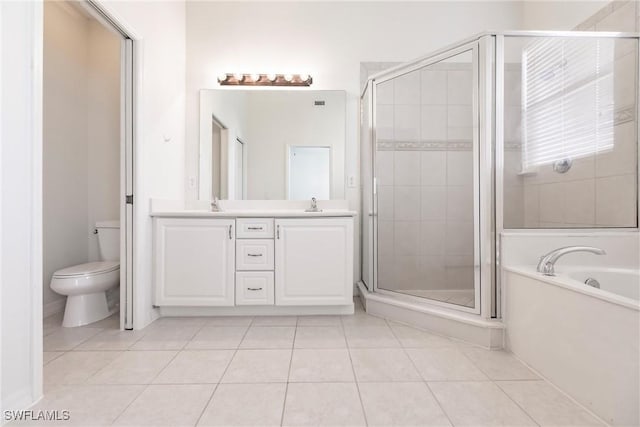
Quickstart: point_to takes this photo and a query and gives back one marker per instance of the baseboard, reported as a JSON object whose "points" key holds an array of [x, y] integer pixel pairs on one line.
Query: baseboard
{"points": [[258, 310], [53, 307], [17, 401]]}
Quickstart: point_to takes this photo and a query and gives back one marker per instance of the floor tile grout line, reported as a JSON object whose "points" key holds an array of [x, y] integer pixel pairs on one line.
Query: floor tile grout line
{"points": [[100, 330], [404, 350], [142, 390], [355, 378], [222, 375], [286, 387], [524, 411], [145, 388]]}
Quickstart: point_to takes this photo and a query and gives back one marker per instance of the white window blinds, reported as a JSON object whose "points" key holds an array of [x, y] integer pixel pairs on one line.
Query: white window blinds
{"points": [[568, 101]]}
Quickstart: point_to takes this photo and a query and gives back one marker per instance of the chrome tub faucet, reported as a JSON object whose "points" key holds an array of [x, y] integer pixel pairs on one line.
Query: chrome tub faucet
{"points": [[547, 263]]}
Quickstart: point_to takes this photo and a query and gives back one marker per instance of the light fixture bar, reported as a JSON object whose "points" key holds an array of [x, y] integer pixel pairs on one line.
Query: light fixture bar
{"points": [[237, 79]]}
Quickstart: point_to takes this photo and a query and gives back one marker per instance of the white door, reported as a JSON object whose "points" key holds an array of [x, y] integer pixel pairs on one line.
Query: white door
{"points": [[309, 173], [194, 262], [314, 261]]}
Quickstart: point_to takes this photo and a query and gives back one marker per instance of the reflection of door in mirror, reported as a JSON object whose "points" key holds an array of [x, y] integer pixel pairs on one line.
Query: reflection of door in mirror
{"points": [[216, 160], [309, 173], [239, 170]]}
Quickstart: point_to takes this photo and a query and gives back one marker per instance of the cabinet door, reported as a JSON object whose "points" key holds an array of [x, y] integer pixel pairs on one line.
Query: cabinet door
{"points": [[314, 261], [194, 262]]}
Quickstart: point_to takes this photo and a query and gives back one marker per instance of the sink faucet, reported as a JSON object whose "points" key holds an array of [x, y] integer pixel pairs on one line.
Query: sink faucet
{"points": [[547, 262], [314, 206], [215, 207]]}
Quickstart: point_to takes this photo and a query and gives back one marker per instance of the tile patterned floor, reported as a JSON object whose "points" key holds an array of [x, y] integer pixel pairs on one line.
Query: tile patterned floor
{"points": [[293, 371]]}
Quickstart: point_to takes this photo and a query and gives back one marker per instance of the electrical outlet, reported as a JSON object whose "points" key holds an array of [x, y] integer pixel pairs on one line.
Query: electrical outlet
{"points": [[192, 182], [352, 181]]}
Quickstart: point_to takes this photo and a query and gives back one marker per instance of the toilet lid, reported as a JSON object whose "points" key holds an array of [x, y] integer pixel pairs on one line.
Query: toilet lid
{"points": [[88, 268]]}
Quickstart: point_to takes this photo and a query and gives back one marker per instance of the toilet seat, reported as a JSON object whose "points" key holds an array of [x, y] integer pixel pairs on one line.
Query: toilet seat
{"points": [[87, 269]]}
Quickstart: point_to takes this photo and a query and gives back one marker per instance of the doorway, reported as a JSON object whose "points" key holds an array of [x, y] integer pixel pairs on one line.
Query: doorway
{"points": [[88, 161]]}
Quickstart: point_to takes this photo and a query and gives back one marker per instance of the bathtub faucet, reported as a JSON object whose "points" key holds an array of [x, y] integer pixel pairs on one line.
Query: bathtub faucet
{"points": [[547, 262]]}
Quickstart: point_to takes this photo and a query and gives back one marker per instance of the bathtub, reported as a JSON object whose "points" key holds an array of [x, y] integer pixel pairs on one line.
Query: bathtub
{"points": [[583, 339], [622, 282]]}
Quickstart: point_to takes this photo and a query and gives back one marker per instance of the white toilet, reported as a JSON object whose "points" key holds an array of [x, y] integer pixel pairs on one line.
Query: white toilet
{"points": [[86, 285]]}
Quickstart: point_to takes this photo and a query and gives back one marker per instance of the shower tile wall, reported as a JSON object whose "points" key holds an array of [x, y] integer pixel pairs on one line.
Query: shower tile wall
{"points": [[424, 172], [599, 190]]}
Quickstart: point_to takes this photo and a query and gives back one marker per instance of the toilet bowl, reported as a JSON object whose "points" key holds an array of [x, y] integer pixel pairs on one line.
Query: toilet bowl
{"points": [[86, 285]]}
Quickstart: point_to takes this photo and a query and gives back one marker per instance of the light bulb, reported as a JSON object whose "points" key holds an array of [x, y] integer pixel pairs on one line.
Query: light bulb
{"points": [[272, 77], [222, 77], [288, 77], [304, 77], [238, 77], [255, 77]]}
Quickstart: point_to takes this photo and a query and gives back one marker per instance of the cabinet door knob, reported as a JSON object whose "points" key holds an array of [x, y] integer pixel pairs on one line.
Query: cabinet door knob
{"points": [[278, 231], [230, 232]]}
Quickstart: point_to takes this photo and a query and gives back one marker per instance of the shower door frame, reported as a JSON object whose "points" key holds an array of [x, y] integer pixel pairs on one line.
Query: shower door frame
{"points": [[483, 63]]}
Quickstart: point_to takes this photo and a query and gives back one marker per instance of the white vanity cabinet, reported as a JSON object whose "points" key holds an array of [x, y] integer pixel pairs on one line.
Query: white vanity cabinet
{"points": [[314, 261], [194, 261], [223, 264]]}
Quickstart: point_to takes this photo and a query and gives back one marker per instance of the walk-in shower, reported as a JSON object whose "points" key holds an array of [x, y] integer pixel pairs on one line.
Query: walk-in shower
{"points": [[503, 130]]}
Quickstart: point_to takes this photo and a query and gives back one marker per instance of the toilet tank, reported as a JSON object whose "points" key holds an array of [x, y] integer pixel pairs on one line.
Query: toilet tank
{"points": [[109, 240]]}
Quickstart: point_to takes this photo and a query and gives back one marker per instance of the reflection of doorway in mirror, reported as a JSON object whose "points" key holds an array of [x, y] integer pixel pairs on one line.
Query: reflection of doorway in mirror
{"points": [[309, 173], [239, 193], [216, 159]]}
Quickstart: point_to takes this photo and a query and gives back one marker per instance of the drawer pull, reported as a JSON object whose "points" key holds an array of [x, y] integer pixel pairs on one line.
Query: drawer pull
{"points": [[254, 254], [255, 228], [254, 289]]}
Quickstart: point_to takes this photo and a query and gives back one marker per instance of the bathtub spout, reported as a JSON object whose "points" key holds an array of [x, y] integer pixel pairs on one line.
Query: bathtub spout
{"points": [[546, 265]]}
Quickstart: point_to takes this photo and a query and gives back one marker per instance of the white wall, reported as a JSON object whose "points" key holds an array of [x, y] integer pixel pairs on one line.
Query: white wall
{"points": [[327, 40], [64, 146], [20, 204], [103, 120], [159, 28], [558, 15]]}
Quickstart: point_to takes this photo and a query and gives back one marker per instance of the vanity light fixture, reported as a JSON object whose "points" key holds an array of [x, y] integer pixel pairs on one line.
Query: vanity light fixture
{"points": [[237, 79]]}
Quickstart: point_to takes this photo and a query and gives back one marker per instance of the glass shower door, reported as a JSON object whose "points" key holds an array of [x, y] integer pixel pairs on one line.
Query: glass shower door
{"points": [[366, 161], [426, 174]]}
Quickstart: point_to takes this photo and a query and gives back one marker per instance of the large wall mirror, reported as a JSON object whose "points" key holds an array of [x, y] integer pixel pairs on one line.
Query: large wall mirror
{"points": [[272, 144]]}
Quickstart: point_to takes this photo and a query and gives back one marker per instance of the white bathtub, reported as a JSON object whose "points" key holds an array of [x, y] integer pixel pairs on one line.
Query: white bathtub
{"points": [[619, 281], [583, 339]]}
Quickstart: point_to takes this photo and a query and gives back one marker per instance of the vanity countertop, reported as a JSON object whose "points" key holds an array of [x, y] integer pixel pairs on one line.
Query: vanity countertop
{"points": [[254, 213]]}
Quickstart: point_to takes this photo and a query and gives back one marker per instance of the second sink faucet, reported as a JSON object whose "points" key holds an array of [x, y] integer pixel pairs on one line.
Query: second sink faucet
{"points": [[314, 206], [547, 263], [215, 207]]}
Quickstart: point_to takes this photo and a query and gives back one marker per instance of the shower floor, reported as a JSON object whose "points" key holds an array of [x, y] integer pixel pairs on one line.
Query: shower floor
{"points": [[464, 297]]}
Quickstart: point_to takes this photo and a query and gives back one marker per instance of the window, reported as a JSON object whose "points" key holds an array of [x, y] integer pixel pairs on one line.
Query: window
{"points": [[568, 101]]}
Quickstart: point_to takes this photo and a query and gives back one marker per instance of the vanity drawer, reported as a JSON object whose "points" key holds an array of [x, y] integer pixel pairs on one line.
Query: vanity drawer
{"points": [[254, 228], [254, 288], [254, 254]]}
